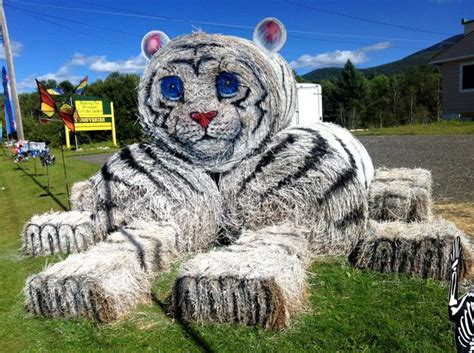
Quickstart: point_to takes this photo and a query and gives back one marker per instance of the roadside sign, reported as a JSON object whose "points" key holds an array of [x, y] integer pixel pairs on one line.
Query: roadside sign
{"points": [[95, 114]]}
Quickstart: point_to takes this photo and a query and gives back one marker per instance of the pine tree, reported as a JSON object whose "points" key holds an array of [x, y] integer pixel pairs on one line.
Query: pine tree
{"points": [[350, 93]]}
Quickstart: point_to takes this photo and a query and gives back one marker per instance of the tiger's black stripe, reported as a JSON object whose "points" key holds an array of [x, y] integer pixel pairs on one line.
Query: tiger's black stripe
{"points": [[349, 154], [284, 89], [195, 65], [149, 152], [126, 156], [238, 102], [261, 115], [267, 158], [198, 46], [355, 216], [262, 98], [312, 160], [343, 179]]}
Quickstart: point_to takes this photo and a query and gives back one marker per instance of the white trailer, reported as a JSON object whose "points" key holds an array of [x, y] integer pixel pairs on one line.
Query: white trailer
{"points": [[310, 104]]}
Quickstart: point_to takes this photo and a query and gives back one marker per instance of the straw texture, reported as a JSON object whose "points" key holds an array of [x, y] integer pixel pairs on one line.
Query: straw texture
{"points": [[419, 249], [260, 280], [107, 281], [401, 194]]}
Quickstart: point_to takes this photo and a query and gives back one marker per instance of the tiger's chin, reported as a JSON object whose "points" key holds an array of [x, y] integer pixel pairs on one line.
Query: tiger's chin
{"points": [[212, 148]]}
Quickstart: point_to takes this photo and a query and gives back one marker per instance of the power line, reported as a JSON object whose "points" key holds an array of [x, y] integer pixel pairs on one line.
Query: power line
{"points": [[364, 19], [139, 36], [130, 13], [64, 26], [75, 21]]}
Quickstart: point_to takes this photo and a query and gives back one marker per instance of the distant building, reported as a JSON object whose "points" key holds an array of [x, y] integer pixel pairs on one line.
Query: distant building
{"points": [[457, 67]]}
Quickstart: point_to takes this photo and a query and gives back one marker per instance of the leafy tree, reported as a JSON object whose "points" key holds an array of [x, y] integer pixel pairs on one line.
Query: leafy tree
{"points": [[67, 87], [50, 83], [377, 100]]}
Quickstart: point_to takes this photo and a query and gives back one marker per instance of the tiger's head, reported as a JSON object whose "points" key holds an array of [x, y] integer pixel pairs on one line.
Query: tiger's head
{"points": [[216, 99]]}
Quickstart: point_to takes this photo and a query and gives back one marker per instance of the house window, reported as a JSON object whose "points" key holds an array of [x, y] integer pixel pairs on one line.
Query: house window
{"points": [[467, 77]]}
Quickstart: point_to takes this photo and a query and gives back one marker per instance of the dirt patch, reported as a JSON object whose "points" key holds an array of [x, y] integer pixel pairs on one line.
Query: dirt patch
{"points": [[462, 214]]}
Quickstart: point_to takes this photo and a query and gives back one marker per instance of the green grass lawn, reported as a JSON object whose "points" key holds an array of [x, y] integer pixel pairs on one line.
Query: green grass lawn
{"points": [[438, 128], [348, 309]]}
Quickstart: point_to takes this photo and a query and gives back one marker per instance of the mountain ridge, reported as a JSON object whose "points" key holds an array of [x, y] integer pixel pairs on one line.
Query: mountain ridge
{"points": [[421, 57]]}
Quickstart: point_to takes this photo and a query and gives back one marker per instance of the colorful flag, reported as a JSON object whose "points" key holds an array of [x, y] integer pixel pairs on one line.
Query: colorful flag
{"points": [[9, 112], [55, 91], [48, 106], [67, 113], [82, 86]]}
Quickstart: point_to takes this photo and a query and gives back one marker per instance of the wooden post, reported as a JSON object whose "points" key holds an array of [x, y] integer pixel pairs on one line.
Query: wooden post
{"points": [[67, 137], [114, 139], [11, 72]]}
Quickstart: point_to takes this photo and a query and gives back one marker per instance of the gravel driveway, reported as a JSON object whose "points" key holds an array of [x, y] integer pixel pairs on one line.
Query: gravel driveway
{"points": [[449, 157]]}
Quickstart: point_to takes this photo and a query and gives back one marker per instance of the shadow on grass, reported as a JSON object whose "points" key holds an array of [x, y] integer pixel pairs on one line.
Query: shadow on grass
{"points": [[185, 327], [45, 188]]}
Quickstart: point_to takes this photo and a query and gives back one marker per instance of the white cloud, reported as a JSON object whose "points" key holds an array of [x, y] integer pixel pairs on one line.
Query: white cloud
{"points": [[95, 63], [338, 57], [62, 74], [16, 49], [134, 64]]}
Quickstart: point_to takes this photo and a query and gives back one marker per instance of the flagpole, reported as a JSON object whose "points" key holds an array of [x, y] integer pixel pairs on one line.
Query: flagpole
{"points": [[11, 71], [75, 136], [65, 174]]}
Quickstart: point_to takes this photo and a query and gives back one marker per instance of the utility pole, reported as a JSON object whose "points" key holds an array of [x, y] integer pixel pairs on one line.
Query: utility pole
{"points": [[11, 71]]}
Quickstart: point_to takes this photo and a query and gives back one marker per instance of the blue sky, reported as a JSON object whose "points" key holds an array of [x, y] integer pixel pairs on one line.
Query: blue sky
{"points": [[77, 41]]}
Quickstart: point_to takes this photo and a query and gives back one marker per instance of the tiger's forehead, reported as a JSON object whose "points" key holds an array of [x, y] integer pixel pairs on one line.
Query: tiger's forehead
{"points": [[203, 44], [201, 54]]}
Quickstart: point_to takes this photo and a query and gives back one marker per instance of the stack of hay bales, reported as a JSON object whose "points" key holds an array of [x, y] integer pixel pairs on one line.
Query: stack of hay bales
{"points": [[422, 249], [400, 194], [259, 280], [107, 281], [59, 233], [402, 236]]}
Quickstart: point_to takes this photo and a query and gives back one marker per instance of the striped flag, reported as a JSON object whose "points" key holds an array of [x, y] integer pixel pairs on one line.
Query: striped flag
{"points": [[55, 91], [82, 86]]}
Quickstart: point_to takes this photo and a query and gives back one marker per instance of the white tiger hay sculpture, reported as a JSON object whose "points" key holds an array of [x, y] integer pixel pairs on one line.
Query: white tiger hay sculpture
{"points": [[421, 248], [259, 280], [221, 166], [400, 194]]}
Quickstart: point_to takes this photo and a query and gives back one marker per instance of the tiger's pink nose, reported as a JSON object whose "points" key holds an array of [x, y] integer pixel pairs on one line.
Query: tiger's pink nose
{"points": [[203, 119]]}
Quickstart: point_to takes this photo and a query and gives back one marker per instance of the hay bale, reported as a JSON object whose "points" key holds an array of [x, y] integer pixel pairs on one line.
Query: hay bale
{"points": [[59, 232], [82, 194], [420, 249], [260, 280], [107, 281], [400, 194]]}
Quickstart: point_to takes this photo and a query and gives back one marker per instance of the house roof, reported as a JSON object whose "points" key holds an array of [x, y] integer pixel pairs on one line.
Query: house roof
{"points": [[461, 49]]}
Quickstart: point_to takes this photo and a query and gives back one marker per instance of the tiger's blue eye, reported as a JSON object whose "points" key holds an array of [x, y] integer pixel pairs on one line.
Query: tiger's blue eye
{"points": [[172, 87], [227, 84]]}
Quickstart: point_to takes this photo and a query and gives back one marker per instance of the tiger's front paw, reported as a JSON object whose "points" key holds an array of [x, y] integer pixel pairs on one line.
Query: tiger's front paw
{"points": [[59, 233]]}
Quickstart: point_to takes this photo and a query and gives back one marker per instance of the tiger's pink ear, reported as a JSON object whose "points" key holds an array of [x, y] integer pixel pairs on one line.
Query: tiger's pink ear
{"points": [[270, 35], [152, 42]]}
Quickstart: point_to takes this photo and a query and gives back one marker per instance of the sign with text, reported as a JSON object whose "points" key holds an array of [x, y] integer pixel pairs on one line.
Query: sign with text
{"points": [[95, 114]]}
